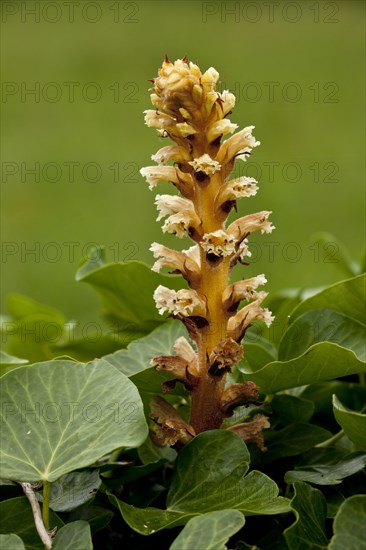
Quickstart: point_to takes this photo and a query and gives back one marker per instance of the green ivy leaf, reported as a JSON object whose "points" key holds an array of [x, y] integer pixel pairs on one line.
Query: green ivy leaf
{"points": [[349, 525], [310, 508], [96, 516], [256, 356], [288, 409], [292, 440], [9, 362], [127, 292], [75, 535], [209, 531], [353, 423], [11, 542], [33, 329], [62, 415], [212, 464], [138, 354], [323, 325], [327, 467], [73, 490], [208, 476], [16, 517], [335, 362], [347, 297]]}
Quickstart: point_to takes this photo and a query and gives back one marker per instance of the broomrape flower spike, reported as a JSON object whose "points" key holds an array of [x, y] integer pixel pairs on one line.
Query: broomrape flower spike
{"points": [[194, 115]]}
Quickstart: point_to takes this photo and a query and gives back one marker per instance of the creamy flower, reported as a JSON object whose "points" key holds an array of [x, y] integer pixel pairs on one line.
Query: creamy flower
{"points": [[243, 250], [253, 222], [244, 317], [220, 128], [176, 153], [209, 79], [181, 223], [183, 348], [155, 119], [184, 129], [236, 189], [205, 164], [239, 145], [182, 302], [181, 180], [218, 243], [242, 290], [194, 253], [166, 257], [171, 204], [227, 100]]}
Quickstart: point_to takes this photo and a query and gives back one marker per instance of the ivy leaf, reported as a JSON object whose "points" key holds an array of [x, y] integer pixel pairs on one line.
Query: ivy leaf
{"points": [[11, 542], [62, 415], [33, 329], [127, 292], [353, 423], [323, 325], [16, 517], [209, 531], [256, 356], [349, 525], [9, 362], [75, 535], [208, 476], [310, 508], [288, 409], [347, 297], [211, 464], [335, 362], [138, 354], [327, 467], [73, 490], [96, 516], [292, 440]]}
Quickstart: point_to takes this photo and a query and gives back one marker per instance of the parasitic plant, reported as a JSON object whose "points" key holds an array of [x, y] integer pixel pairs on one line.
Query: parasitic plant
{"points": [[191, 112]]}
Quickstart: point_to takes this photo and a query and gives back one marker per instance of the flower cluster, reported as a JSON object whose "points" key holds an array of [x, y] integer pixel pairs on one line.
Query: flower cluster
{"points": [[193, 114]]}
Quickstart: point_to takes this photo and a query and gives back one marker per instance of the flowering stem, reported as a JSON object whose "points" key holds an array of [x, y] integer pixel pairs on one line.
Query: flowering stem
{"points": [[193, 114]]}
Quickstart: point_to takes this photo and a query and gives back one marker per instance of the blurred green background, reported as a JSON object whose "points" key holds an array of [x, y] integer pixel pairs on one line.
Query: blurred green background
{"points": [[297, 69]]}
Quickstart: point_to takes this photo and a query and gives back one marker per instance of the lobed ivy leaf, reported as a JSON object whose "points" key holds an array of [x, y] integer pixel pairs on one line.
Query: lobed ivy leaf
{"points": [[349, 525], [310, 508], [208, 476], [127, 292], [209, 531], [352, 422], [16, 517], [62, 415]]}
